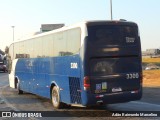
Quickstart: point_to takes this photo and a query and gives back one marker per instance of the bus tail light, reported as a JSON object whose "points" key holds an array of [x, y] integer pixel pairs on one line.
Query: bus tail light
{"points": [[86, 83]]}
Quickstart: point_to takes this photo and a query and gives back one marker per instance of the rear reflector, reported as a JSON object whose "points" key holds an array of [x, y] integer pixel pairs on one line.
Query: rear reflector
{"points": [[99, 96], [133, 92]]}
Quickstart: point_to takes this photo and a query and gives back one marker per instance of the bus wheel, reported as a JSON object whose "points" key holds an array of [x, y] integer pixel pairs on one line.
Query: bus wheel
{"points": [[18, 88], [56, 98]]}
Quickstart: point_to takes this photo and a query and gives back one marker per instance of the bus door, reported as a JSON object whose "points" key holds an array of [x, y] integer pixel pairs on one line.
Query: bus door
{"points": [[12, 73]]}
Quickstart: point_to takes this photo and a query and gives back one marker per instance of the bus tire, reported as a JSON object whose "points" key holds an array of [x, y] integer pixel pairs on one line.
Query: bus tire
{"points": [[56, 98], [18, 88]]}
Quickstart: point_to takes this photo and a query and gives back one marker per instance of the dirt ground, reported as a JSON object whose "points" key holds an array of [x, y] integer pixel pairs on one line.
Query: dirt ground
{"points": [[151, 78], [151, 60], [151, 86]]}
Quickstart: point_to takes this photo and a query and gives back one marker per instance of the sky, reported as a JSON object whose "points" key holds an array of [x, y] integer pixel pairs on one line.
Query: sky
{"points": [[28, 15]]}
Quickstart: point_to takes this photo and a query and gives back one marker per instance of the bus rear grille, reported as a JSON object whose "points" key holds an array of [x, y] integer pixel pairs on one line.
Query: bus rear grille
{"points": [[75, 93]]}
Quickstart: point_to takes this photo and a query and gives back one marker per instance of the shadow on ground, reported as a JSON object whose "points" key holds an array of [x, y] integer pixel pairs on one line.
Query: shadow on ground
{"points": [[151, 95]]}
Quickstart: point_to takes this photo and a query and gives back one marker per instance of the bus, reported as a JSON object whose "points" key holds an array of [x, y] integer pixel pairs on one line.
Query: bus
{"points": [[89, 63]]}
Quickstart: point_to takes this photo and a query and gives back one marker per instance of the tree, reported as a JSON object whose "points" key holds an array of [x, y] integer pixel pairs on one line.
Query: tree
{"points": [[6, 50]]}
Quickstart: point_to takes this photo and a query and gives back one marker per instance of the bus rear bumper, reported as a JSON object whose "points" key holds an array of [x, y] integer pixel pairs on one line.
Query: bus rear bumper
{"points": [[120, 97]]}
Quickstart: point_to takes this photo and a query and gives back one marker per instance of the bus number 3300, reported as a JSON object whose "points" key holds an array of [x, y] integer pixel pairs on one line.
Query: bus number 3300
{"points": [[132, 76], [74, 65]]}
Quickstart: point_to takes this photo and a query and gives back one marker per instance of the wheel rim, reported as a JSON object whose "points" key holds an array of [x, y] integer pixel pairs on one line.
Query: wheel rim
{"points": [[55, 98]]}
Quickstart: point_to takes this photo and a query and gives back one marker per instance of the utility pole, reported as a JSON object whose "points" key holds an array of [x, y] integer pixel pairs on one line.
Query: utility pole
{"points": [[111, 9], [13, 40]]}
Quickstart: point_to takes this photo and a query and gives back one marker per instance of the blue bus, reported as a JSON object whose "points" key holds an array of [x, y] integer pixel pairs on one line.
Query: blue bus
{"points": [[89, 63]]}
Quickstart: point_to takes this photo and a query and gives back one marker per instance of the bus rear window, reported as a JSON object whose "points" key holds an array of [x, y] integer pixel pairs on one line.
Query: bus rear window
{"points": [[106, 66], [112, 35]]}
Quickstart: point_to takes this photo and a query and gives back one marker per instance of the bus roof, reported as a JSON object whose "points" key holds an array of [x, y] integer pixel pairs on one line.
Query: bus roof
{"points": [[81, 25]]}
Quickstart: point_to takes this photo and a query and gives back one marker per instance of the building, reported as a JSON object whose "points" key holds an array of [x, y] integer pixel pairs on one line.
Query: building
{"points": [[49, 27], [151, 52]]}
